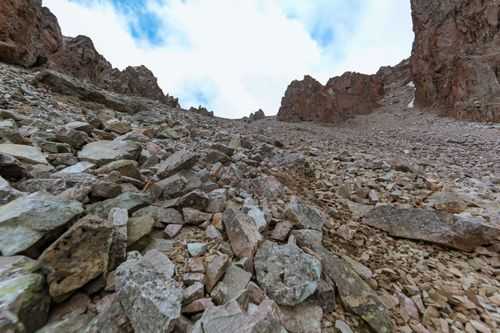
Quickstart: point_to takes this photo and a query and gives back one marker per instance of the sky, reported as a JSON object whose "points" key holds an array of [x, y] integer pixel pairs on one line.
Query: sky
{"points": [[238, 56]]}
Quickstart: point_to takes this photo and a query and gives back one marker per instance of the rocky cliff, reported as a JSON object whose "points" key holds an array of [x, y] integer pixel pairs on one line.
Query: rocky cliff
{"points": [[30, 36], [342, 97], [456, 57]]}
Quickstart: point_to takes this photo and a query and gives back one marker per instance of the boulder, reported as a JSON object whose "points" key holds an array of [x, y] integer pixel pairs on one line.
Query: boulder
{"points": [[103, 152], [303, 216], [24, 301], [27, 154], [7, 192], [231, 317], [179, 160], [242, 232], [146, 298], [26, 221], [232, 285], [303, 318], [127, 200], [79, 256], [286, 273], [455, 58], [462, 232], [139, 227]]}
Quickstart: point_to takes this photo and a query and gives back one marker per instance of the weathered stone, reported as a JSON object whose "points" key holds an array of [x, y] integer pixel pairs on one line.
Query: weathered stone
{"points": [[126, 168], [127, 200], [120, 127], [180, 160], [138, 227], [232, 285], [195, 199], [8, 193], [24, 300], [28, 154], [25, 221], [216, 267], [356, 295], [217, 201], [304, 217], [198, 305], [242, 232], [232, 318], [79, 167], [303, 318], [76, 139], [118, 250], [257, 215], [457, 231], [11, 168], [172, 186], [197, 249], [70, 324], [193, 293], [80, 255], [286, 273], [103, 152], [281, 231], [195, 217], [173, 230]]}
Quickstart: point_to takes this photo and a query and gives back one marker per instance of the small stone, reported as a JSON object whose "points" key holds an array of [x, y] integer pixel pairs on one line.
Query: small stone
{"points": [[216, 267], [103, 152], [180, 160], [197, 249], [302, 318], [242, 233], [198, 305], [194, 216], [28, 154], [193, 293], [281, 231], [304, 216], [232, 285], [213, 233], [120, 127], [190, 278], [342, 326], [139, 227], [173, 230]]}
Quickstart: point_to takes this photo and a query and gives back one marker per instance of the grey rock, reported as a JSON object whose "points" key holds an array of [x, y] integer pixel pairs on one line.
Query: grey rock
{"points": [[180, 160], [242, 232], [232, 285], [194, 199], [172, 186], [138, 227], [70, 324], [194, 216], [127, 200], [27, 154], [79, 256], [24, 299], [217, 200], [304, 216], [79, 167], [193, 292], [126, 168], [118, 250], [303, 318], [26, 220], [197, 249], [216, 267], [462, 232], [103, 152], [8, 193], [286, 273]]}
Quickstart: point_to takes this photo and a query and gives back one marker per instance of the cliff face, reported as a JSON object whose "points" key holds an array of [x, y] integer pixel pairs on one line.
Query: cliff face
{"points": [[342, 97], [30, 36], [456, 58]]}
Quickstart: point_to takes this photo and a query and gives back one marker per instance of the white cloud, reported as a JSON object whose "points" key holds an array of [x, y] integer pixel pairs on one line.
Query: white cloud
{"points": [[241, 55]]}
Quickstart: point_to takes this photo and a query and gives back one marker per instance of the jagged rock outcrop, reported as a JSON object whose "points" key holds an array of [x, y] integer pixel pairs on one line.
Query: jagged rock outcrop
{"points": [[30, 36], [29, 33], [340, 98], [455, 59]]}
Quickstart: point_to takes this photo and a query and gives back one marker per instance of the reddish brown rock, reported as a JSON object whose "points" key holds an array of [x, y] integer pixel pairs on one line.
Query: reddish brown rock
{"points": [[342, 97], [455, 59], [29, 33]]}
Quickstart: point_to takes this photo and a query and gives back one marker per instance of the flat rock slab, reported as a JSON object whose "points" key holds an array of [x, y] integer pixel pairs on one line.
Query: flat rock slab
{"points": [[461, 232], [179, 160], [28, 154], [287, 274], [104, 152], [26, 220]]}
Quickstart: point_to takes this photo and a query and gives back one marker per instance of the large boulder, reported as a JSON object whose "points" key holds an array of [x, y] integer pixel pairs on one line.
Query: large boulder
{"points": [[461, 232], [103, 152], [30, 219], [29, 33], [24, 301], [80, 255], [455, 57], [287, 274]]}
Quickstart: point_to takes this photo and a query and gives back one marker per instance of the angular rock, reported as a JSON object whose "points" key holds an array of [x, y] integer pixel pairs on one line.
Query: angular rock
{"points": [[28, 154], [193, 293], [461, 232], [303, 216], [25, 221], [195, 199], [24, 300], [242, 232], [118, 250], [138, 227], [232, 285], [286, 273], [172, 186], [79, 167], [198, 305], [103, 152], [232, 318], [303, 318], [216, 267], [79, 256], [126, 168], [173, 230], [180, 160], [8, 193], [356, 295], [127, 200], [194, 216]]}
